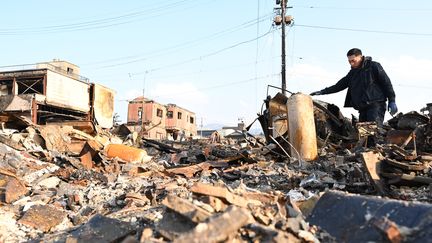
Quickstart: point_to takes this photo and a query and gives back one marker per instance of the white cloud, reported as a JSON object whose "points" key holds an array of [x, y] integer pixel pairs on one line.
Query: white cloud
{"points": [[182, 94], [407, 70], [307, 78], [411, 80], [132, 94], [244, 105], [185, 95], [309, 71]]}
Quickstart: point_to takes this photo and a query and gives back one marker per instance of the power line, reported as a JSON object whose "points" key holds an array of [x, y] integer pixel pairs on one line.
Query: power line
{"points": [[365, 9], [180, 46], [363, 30], [203, 56], [218, 86], [211, 87], [185, 74], [149, 6], [106, 20], [95, 24], [214, 69]]}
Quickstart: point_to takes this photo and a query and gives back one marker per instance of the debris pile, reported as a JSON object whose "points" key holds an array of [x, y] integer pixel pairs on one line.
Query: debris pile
{"points": [[60, 183]]}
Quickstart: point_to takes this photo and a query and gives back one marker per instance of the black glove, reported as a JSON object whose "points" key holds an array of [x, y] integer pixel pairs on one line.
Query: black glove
{"points": [[392, 108], [316, 93]]}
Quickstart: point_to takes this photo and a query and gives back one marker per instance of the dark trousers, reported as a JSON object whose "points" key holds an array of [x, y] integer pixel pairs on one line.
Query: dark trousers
{"points": [[373, 113]]}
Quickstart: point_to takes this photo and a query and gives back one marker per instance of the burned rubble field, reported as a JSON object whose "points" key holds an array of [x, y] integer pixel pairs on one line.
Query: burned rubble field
{"points": [[61, 184]]}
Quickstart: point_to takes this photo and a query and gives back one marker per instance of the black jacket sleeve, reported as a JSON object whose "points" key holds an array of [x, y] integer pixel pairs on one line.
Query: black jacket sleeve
{"points": [[339, 86], [385, 83]]}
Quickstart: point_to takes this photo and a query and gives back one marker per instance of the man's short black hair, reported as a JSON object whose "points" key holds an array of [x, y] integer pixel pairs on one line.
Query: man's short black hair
{"points": [[354, 51]]}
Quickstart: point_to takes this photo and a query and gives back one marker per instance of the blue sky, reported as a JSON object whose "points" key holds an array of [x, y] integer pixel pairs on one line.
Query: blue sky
{"points": [[216, 57]]}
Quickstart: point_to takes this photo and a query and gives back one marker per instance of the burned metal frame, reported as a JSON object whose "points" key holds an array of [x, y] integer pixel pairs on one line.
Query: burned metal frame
{"points": [[44, 113], [276, 110], [25, 91], [29, 84]]}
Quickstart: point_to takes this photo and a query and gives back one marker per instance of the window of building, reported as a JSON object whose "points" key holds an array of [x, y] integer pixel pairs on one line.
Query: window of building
{"points": [[169, 114], [179, 115], [159, 112], [139, 113], [70, 70], [191, 120]]}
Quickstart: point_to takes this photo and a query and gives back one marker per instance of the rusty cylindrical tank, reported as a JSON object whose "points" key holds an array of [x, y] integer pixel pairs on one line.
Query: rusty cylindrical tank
{"points": [[126, 153], [302, 134]]}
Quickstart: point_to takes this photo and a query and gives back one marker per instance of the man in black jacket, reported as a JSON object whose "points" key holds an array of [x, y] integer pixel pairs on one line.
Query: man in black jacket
{"points": [[369, 88]]}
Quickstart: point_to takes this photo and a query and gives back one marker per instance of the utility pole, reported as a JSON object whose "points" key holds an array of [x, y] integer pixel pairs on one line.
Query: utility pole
{"points": [[283, 20], [143, 104], [283, 11]]}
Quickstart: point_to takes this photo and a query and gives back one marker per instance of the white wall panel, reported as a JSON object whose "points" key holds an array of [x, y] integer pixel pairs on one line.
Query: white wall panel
{"points": [[67, 92]]}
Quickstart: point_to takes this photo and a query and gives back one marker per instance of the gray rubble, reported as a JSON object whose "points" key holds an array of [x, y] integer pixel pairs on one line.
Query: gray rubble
{"points": [[197, 191]]}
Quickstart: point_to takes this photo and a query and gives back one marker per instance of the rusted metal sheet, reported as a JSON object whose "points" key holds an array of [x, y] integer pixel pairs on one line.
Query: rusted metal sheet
{"points": [[103, 105], [66, 92], [278, 112], [277, 105], [398, 137], [406, 165], [14, 190], [86, 160]]}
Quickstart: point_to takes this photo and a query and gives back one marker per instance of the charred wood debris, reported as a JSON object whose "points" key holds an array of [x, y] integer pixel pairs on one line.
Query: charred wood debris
{"points": [[62, 183]]}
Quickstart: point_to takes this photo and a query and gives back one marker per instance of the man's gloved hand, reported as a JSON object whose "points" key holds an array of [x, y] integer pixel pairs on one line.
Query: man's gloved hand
{"points": [[392, 108], [316, 93]]}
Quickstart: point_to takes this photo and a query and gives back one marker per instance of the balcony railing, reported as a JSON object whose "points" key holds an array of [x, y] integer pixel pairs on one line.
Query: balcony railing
{"points": [[51, 67]]}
